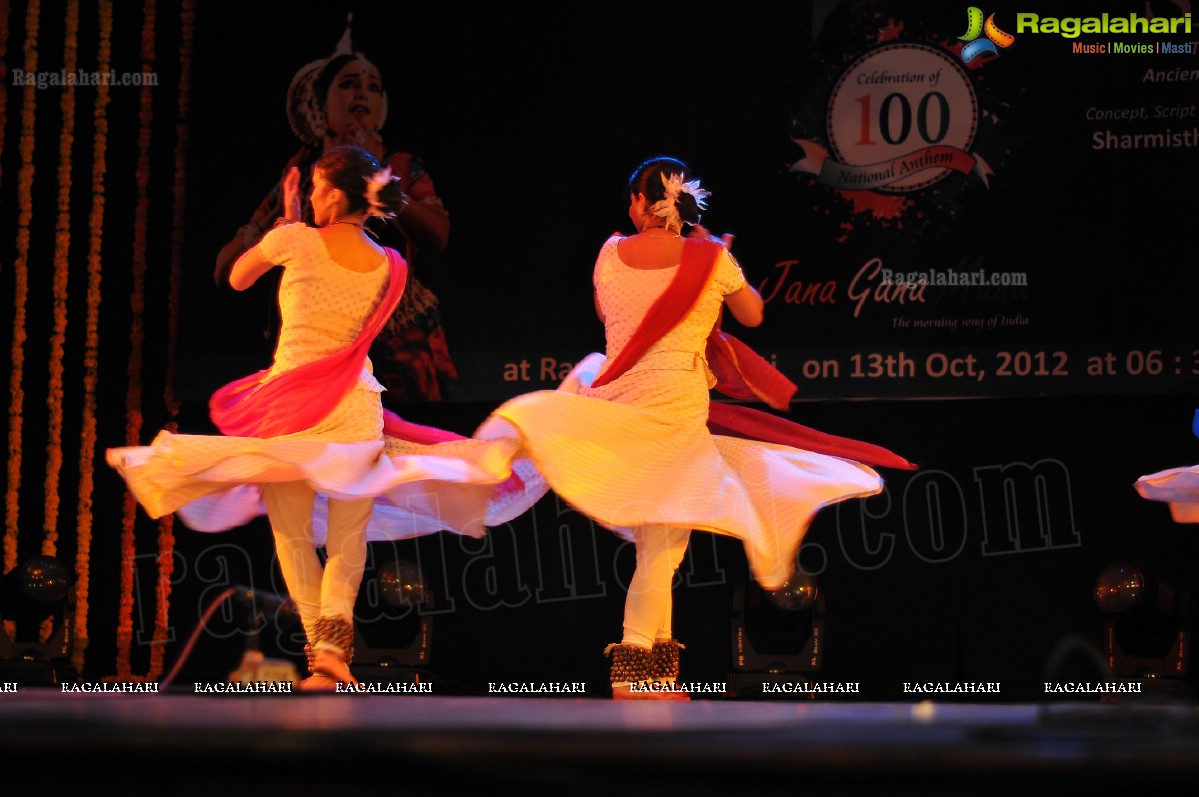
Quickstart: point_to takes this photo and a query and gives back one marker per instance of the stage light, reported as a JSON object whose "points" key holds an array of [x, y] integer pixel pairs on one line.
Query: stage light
{"points": [[796, 594], [777, 635], [38, 610], [393, 628], [1119, 587], [1146, 621], [401, 584], [44, 579]]}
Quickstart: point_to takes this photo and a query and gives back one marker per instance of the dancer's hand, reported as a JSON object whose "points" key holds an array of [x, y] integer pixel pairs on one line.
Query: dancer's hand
{"points": [[291, 195], [700, 231]]}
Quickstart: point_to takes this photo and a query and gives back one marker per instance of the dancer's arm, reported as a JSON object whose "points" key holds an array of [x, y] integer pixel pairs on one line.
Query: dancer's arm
{"points": [[252, 265]]}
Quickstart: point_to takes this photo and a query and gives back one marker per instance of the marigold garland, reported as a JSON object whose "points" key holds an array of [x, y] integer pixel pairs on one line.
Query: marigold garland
{"points": [[62, 245], [21, 292], [166, 537], [133, 395], [91, 346], [3, 79], [10, 627]]}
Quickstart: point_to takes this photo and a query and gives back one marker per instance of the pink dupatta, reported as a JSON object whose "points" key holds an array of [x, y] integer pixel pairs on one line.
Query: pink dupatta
{"points": [[741, 373], [295, 400]]}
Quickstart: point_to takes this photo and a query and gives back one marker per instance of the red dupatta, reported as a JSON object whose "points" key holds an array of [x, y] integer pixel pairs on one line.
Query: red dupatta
{"points": [[741, 373], [295, 400], [680, 296]]}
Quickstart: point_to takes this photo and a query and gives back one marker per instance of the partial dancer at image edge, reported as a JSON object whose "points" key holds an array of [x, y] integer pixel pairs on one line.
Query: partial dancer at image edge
{"points": [[307, 441], [1178, 487], [634, 442]]}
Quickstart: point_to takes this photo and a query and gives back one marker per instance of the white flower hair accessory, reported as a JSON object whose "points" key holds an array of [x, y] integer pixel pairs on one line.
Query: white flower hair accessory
{"points": [[667, 208], [374, 184]]}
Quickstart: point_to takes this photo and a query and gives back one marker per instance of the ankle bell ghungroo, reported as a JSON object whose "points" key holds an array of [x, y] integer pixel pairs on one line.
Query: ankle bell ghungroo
{"points": [[331, 632], [664, 660], [630, 663]]}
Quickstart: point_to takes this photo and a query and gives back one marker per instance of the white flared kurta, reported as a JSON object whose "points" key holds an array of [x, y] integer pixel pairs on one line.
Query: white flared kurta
{"points": [[213, 482], [637, 450], [1178, 487]]}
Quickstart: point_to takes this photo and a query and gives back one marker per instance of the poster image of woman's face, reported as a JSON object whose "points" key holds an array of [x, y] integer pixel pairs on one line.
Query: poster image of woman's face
{"points": [[355, 99]]}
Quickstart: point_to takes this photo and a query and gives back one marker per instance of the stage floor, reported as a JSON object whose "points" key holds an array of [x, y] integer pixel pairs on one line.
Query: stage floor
{"points": [[178, 743]]}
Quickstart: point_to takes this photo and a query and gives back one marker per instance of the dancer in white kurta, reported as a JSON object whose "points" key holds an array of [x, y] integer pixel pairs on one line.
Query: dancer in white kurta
{"points": [[320, 456], [635, 452], [1177, 487]]}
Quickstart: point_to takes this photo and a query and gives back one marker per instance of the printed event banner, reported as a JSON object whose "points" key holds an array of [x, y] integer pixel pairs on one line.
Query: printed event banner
{"points": [[935, 199], [978, 201]]}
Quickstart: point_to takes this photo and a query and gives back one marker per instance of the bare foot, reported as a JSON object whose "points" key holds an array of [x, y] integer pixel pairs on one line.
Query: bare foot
{"points": [[318, 682], [333, 667]]}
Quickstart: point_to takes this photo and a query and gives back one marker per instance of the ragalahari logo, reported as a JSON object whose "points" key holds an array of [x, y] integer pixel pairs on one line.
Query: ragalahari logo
{"points": [[975, 27]]}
